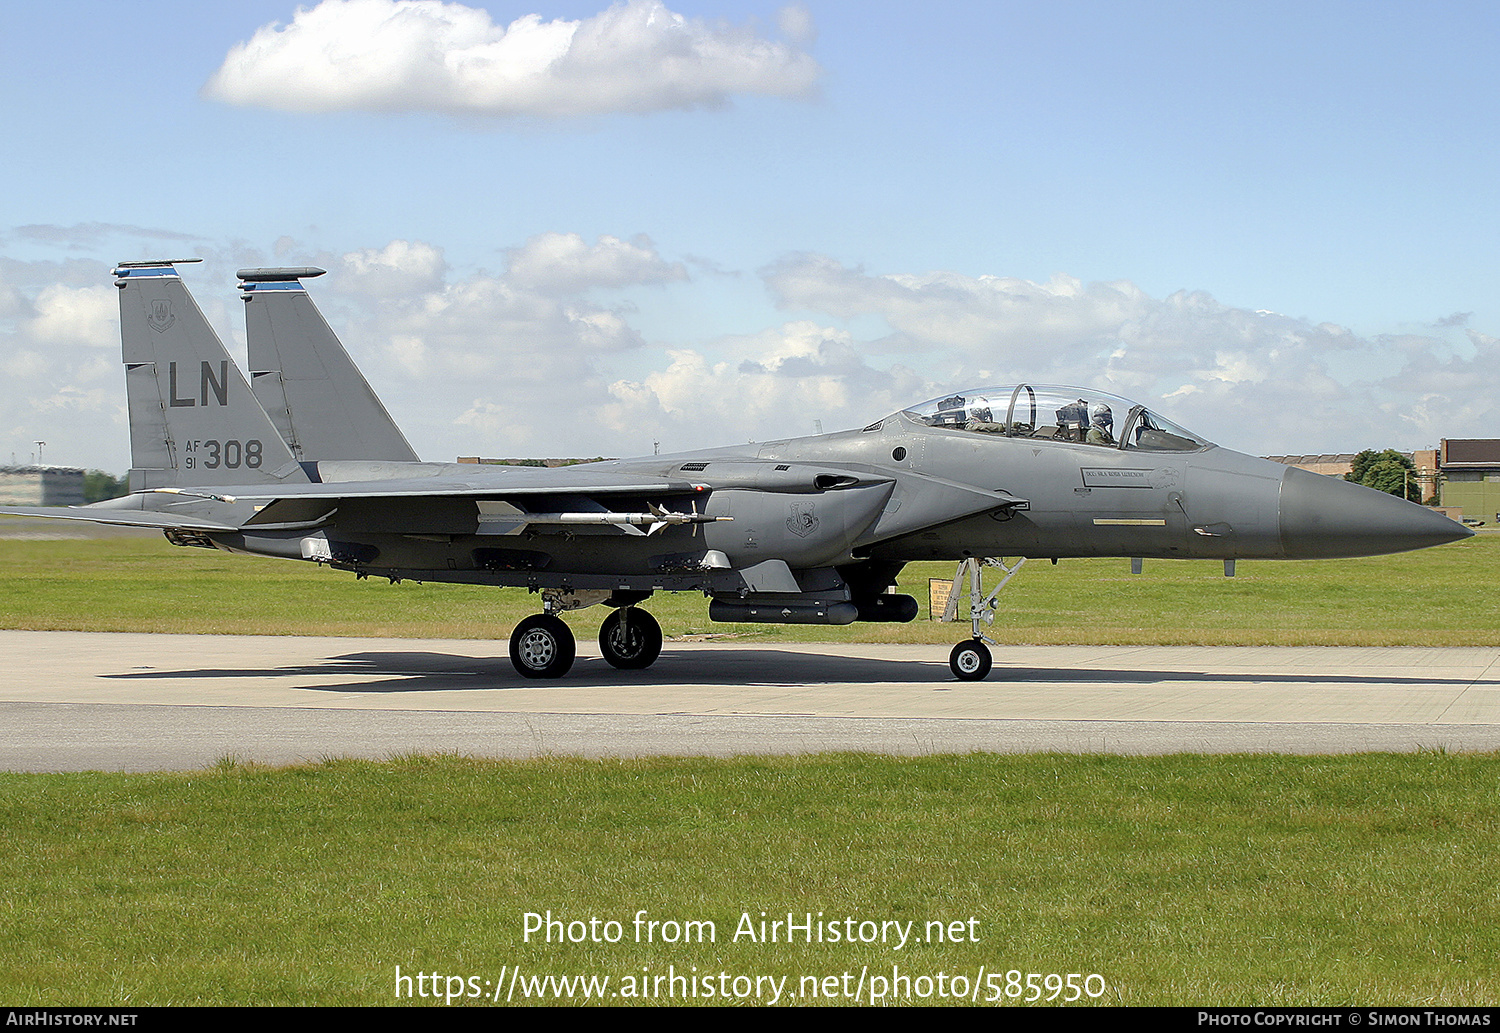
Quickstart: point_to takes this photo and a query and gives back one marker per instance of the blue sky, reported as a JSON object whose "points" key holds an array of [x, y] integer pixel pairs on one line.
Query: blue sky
{"points": [[1276, 222]]}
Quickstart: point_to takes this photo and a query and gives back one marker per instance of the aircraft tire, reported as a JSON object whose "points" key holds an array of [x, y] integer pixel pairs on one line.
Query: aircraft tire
{"points": [[971, 660], [542, 646], [630, 639]]}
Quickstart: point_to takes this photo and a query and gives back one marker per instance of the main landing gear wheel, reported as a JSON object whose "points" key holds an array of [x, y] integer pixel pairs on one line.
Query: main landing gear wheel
{"points": [[630, 639], [970, 660], [542, 646]]}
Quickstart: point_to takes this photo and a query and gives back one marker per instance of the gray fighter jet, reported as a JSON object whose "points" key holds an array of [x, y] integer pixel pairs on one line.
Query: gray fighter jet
{"points": [[308, 465]]}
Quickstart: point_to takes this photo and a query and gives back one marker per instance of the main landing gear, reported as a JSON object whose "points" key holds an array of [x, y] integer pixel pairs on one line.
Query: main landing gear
{"points": [[971, 660], [542, 646], [630, 639]]}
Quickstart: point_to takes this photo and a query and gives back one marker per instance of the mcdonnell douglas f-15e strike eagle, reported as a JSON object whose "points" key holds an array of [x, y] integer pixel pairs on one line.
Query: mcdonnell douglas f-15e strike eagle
{"points": [[303, 462]]}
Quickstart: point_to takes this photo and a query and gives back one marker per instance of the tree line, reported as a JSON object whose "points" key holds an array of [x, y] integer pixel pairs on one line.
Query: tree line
{"points": [[1388, 471]]}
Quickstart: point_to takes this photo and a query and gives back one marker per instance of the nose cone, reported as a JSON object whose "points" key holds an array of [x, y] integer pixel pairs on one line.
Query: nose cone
{"points": [[1324, 517]]}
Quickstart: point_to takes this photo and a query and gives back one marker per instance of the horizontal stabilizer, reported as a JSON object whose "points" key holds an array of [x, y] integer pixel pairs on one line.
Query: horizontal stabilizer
{"points": [[118, 517]]}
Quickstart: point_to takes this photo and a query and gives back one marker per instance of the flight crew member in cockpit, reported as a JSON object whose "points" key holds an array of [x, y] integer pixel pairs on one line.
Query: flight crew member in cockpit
{"points": [[1101, 425]]}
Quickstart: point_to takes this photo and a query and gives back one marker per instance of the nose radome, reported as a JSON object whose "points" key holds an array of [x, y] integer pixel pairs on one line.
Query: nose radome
{"points": [[1324, 517]]}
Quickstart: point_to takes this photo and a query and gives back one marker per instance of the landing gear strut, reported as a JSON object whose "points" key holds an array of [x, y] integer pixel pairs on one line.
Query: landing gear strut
{"points": [[542, 646], [630, 639], [971, 660]]}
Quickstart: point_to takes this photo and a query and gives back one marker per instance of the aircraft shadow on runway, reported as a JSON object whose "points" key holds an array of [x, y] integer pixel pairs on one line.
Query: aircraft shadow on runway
{"points": [[444, 672], [394, 671]]}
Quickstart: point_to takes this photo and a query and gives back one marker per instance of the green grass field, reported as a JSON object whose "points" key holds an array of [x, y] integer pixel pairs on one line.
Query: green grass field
{"points": [[1188, 880], [1435, 597], [1179, 880]]}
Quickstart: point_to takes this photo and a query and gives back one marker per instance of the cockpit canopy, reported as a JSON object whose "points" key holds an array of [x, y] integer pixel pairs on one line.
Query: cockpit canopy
{"points": [[1073, 414]]}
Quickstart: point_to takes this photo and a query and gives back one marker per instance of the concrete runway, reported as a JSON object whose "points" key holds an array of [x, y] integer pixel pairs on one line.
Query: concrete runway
{"points": [[72, 701]]}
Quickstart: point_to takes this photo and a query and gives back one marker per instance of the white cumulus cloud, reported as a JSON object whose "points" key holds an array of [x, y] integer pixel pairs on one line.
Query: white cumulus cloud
{"points": [[401, 267], [77, 315], [426, 55], [59, 354], [781, 382], [563, 263]]}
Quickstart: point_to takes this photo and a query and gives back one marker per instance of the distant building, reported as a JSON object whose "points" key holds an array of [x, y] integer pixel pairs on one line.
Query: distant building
{"points": [[1470, 469], [1425, 460], [1328, 465], [41, 486]]}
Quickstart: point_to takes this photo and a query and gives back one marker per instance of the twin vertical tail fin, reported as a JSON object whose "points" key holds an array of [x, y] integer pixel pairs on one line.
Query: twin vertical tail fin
{"points": [[193, 417], [314, 394]]}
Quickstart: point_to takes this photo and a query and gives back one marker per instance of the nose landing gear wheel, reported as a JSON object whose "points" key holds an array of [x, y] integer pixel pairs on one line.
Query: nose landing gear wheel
{"points": [[630, 639], [542, 646], [970, 660]]}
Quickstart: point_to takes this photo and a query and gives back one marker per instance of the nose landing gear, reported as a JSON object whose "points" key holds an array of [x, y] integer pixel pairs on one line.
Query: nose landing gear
{"points": [[971, 659]]}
